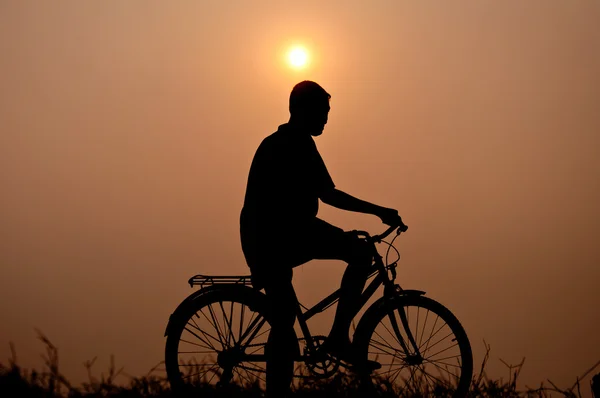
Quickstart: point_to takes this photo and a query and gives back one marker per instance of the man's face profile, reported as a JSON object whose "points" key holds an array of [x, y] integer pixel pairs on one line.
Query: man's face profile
{"points": [[317, 117]]}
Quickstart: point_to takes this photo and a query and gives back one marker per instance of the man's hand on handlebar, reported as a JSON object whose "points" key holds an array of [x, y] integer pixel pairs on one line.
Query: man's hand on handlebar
{"points": [[391, 218]]}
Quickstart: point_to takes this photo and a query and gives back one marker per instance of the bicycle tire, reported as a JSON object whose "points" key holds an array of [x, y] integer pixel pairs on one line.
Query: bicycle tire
{"points": [[437, 353], [205, 336]]}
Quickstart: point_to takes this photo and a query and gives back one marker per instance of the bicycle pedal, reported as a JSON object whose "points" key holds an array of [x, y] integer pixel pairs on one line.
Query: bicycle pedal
{"points": [[362, 366]]}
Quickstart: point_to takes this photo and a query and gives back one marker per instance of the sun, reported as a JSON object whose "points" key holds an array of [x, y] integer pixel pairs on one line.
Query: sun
{"points": [[298, 57]]}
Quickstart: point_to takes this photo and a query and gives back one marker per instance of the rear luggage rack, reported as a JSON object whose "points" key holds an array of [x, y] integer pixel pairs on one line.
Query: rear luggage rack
{"points": [[210, 280]]}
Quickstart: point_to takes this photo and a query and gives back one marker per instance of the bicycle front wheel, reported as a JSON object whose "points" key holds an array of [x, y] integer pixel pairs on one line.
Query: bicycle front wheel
{"points": [[218, 340], [422, 348]]}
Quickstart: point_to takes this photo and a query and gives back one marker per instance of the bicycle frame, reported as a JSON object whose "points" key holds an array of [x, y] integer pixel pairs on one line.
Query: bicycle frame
{"points": [[245, 351], [381, 278]]}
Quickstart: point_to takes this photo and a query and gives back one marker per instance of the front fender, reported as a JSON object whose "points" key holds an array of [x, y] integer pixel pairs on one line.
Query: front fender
{"points": [[411, 292], [397, 295]]}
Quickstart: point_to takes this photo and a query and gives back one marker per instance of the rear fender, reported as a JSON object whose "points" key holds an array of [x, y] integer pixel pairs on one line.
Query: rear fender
{"points": [[189, 300]]}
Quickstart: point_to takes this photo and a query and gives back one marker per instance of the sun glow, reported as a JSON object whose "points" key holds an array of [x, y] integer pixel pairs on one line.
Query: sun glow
{"points": [[298, 57]]}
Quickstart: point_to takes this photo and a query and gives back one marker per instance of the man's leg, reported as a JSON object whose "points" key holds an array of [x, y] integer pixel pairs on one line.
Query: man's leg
{"points": [[330, 242], [282, 344], [358, 254]]}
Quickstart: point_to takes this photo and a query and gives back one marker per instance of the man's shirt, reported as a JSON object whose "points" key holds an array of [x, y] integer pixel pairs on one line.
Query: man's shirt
{"points": [[286, 179]]}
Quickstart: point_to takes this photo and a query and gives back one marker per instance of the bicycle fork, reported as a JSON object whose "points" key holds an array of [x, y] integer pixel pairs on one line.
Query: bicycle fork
{"points": [[411, 359], [392, 290]]}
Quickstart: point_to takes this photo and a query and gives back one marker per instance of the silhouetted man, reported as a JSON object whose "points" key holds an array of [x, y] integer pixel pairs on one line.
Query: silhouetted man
{"points": [[280, 230]]}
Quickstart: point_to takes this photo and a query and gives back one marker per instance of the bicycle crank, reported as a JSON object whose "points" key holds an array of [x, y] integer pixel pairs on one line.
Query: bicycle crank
{"points": [[321, 364]]}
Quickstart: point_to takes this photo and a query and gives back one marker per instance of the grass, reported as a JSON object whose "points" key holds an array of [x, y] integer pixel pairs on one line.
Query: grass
{"points": [[49, 382]]}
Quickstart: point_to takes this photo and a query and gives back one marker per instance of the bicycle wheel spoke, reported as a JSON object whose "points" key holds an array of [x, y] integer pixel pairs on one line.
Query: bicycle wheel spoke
{"points": [[395, 375], [427, 381], [262, 347], [200, 338], [196, 344], [185, 365], [432, 335], [392, 374], [423, 330], [241, 322], [231, 323], [254, 369], [392, 370], [262, 333], [442, 369], [253, 328], [412, 375], [443, 363], [371, 343], [212, 377], [217, 325], [386, 342], [205, 333], [196, 374], [417, 328], [245, 328], [442, 359], [445, 349], [389, 331], [212, 322], [227, 322], [440, 340], [392, 364], [250, 376], [441, 382], [242, 376]]}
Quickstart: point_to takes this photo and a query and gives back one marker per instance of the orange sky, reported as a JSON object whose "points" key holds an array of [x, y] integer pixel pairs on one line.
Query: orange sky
{"points": [[127, 130]]}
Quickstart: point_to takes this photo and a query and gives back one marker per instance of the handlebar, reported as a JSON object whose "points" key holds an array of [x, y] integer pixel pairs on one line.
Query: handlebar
{"points": [[380, 237]]}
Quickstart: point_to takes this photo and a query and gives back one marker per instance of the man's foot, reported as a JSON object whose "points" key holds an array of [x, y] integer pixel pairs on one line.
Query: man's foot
{"points": [[342, 349]]}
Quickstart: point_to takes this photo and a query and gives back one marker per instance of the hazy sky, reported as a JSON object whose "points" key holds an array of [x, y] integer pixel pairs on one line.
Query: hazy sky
{"points": [[127, 129]]}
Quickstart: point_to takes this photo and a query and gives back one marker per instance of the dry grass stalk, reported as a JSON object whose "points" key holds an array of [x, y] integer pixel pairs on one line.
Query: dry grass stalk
{"points": [[50, 383]]}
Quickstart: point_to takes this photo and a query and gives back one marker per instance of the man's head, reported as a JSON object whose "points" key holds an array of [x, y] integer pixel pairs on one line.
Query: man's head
{"points": [[309, 107]]}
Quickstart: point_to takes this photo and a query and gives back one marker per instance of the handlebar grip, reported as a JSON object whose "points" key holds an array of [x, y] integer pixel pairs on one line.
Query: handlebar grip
{"points": [[399, 228], [388, 231]]}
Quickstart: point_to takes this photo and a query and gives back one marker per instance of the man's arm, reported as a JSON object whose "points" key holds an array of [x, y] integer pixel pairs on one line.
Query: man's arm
{"points": [[342, 200]]}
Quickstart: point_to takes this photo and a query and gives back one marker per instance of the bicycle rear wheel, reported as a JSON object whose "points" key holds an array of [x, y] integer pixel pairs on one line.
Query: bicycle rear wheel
{"points": [[421, 346], [217, 340]]}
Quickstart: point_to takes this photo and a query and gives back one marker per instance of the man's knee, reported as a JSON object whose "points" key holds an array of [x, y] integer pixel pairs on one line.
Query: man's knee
{"points": [[282, 302], [361, 254]]}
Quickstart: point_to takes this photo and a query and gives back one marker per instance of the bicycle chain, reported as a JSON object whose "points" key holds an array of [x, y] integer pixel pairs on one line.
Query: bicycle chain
{"points": [[300, 339]]}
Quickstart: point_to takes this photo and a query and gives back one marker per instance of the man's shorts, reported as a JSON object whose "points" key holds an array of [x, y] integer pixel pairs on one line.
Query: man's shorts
{"points": [[271, 258]]}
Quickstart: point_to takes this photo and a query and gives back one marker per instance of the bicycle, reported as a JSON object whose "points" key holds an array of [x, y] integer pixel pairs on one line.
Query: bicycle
{"points": [[218, 335]]}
